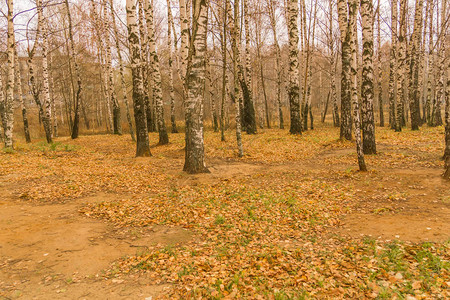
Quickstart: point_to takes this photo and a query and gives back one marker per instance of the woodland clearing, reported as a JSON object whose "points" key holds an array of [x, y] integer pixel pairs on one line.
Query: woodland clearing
{"points": [[292, 219]]}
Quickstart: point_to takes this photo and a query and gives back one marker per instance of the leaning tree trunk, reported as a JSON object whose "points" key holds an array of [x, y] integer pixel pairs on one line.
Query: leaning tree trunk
{"points": [[121, 72], [367, 91], [156, 75], [21, 97], [8, 114], [117, 123], [76, 122], [294, 89], [353, 8], [346, 117], [142, 144], [414, 64], [171, 88], [237, 90], [195, 85]]}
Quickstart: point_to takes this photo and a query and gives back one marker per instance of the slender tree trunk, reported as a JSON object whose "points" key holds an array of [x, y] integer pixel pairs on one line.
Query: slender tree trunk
{"points": [[21, 97], [156, 74], [333, 65], [2, 109], [53, 102], [447, 124], [184, 24], [325, 110], [46, 102], [211, 90], [237, 90], [171, 88], [121, 71], [380, 68], [294, 89], [367, 91], [346, 117], [393, 66], [263, 85], [142, 144], [401, 60], [150, 118], [414, 95], [223, 40], [440, 88], [249, 115], [278, 70], [117, 122], [9, 103], [72, 55], [195, 84], [353, 9]]}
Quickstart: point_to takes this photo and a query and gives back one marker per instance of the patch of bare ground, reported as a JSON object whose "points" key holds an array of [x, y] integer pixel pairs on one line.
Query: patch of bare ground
{"points": [[53, 252], [404, 204]]}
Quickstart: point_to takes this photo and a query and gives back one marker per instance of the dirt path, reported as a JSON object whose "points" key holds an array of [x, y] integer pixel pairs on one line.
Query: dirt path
{"points": [[53, 252]]}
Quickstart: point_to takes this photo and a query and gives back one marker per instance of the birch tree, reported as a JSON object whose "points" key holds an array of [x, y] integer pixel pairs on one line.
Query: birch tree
{"points": [[436, 116], [333, 61], [142, 143], [430, 68], [447, 124], [121, 69], [367, 90], [379, 67], [346, 117], [8, 114], [2, 109], [22, 97], [223, 42], [72, 56], [237, 90], [352, 12], [401, 61], [249, 115], [45, 106], [170, 25], [117, 126], [294, 89], [156, 74], [195, 85], [393, 66], [414, 64], [273, 24]]}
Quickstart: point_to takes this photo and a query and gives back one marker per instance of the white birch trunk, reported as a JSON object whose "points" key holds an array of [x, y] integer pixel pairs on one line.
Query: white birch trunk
{"points": [[9, 103], [156, 74], [195, 85], [294, 89], [142, 143]]}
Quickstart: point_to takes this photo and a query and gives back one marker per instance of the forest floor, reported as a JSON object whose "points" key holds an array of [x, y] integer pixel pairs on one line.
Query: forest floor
{"points": [[293, 218]]}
